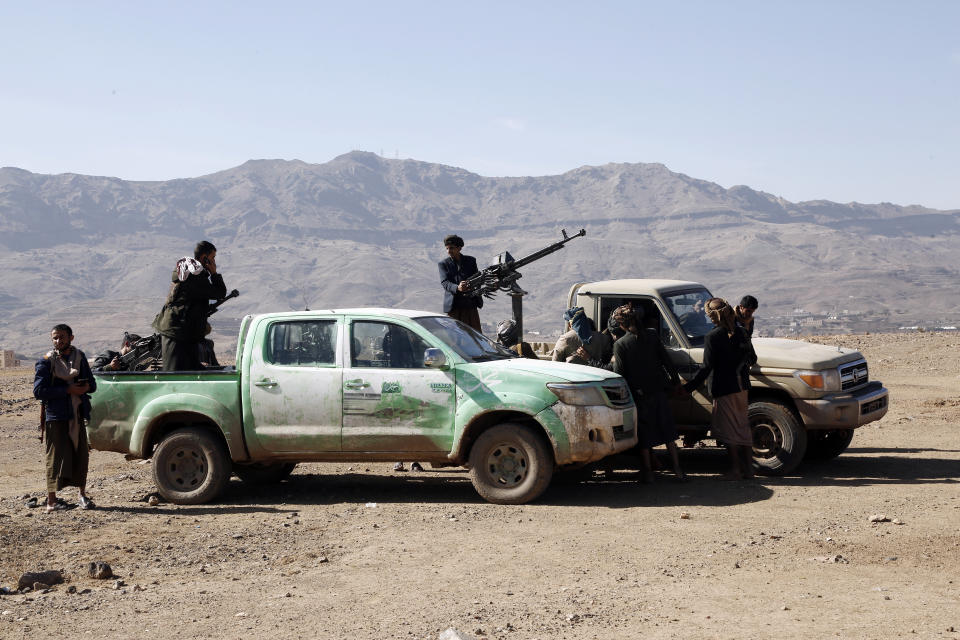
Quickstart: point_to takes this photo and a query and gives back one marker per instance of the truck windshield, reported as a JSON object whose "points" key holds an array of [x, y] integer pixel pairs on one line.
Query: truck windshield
{"points": [[469, 345], [687, 307]]}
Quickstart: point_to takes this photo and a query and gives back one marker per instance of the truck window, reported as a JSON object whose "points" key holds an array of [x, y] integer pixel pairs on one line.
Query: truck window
{"points": [[385, 345], [687, 307], [652, 318], [302, 343]]}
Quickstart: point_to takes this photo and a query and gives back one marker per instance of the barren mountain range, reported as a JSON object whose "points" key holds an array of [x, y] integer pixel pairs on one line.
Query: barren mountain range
{"points": [[363, 230]]}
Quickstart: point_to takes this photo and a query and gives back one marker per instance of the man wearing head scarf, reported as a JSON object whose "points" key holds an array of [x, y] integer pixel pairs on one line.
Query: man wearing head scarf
{"points": [[582, 344], [454, 269], [63, 382], [182, 323], [641, 359], [508, 336], [727, 357]]}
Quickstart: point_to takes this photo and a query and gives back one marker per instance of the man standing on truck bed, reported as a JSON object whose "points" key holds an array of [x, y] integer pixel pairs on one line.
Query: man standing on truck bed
{"points": [[182, 323], [453, 271]]}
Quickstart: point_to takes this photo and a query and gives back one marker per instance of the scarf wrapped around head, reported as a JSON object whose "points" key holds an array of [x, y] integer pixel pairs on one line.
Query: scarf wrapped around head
{"points": [[721, 314], [580, 323], [507, 333], [187, 266]]}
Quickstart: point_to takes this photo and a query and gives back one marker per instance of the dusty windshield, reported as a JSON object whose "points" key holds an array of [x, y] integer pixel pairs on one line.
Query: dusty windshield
{"points": [[687, 307], [470, 345]]}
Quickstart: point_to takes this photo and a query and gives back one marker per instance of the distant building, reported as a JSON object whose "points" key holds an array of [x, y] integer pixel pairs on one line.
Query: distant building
{"points": [[8, 359]]}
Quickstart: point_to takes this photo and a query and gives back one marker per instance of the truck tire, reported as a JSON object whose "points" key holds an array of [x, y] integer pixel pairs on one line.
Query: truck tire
{"points": [[827, 444], [264, 472], [779, 439], [510, 463], [190, 466]]}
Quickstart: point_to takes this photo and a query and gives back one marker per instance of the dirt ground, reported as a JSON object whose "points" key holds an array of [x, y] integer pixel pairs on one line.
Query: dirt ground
{"points": [[361, 551]]}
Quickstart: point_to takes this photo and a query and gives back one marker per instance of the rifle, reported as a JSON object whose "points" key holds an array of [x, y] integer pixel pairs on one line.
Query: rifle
{"points": [[146, 351], [503, 275], [216, 305]]}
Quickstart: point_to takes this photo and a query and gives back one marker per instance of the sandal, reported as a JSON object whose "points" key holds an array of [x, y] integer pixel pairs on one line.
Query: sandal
{"points": [[86, 503], [56, 506]]}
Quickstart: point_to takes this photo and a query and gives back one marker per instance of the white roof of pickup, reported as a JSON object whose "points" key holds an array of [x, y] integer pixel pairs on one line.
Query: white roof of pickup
{"points": [[373, 311], [636, 285]]}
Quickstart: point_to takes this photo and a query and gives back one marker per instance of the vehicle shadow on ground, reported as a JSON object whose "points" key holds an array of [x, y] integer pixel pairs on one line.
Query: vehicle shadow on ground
{"points": [[621, 489], [166, 509], [852, 470]]}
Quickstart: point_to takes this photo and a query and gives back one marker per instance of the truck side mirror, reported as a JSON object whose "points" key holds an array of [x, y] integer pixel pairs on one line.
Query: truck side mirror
{"points": [[434, 358]]}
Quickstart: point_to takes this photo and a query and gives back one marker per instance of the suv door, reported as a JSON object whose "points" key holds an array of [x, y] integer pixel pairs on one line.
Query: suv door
{"points": [[294, 391], [391, 401]]}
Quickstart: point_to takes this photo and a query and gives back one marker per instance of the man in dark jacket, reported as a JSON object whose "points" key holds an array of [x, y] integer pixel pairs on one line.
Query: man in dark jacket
{"points": [[110, 360], [182, 322], [453, 271], [642, 360], [744, 313], [62, 382]]}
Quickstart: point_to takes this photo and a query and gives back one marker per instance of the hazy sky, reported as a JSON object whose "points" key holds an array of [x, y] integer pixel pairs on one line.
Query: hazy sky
{"points": [[838, 100]]}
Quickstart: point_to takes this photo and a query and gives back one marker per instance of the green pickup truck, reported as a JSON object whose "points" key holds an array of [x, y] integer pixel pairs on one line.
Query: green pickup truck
{"points": [[360, 385]]}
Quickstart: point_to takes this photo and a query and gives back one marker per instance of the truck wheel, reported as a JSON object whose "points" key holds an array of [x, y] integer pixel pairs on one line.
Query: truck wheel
{"points": [[827, 444], [779, 440], [190, 466], [510, 464], [264, 472]]}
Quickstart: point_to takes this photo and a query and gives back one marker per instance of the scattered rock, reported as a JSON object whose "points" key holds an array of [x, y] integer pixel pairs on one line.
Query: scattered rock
{"points": [[118, 584], [835, 559], [322, 559], [879, 517], [99, 570], [684, 515], [153, 501], [137, 587], [897, 521], [453, 634], [28, 579], [40, 586], [71, 589]]}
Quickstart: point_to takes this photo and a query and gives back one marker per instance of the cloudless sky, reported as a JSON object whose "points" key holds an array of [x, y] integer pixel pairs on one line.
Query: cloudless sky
{"points": [[846, 101]]}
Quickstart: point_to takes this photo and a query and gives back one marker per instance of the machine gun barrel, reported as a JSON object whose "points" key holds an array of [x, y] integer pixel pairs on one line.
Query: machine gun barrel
{"points": [[504, 274], [536, 255]]}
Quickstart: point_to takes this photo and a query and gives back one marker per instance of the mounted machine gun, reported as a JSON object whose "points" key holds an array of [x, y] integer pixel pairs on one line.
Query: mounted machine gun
{"points": [[503, 276]]}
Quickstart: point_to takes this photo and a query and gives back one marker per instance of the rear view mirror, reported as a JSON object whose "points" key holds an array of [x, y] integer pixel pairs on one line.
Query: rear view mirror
{"points": [[434, 358]]}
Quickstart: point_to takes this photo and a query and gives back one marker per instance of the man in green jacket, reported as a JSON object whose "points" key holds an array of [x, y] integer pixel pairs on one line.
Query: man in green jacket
{"points": [[182, 322]]}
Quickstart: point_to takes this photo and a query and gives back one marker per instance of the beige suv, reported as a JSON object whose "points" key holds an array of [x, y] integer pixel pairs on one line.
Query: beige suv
{"points": [[806, 399]]}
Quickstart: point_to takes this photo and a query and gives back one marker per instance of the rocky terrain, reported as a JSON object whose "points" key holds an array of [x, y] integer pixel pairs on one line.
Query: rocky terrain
{"points": [[361, 551], [97, 252]]}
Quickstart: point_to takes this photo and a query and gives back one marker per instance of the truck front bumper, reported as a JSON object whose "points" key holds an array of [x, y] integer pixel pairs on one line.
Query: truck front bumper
{"points": [[846, 411], [594, 432]]}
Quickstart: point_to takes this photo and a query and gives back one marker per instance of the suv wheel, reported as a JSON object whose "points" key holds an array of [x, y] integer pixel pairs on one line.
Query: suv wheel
{"points": [[779, 440], [510, 464]]}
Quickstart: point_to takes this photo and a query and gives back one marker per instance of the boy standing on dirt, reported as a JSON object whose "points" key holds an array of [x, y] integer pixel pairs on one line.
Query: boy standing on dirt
{"points": [[62, 381]]}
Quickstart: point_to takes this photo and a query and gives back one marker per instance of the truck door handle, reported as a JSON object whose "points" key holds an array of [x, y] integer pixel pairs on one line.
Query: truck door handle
{"points": [[266, 382], [356, 384]]}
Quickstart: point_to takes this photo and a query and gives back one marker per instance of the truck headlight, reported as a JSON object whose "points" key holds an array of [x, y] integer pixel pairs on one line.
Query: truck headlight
{"points": [[577, 393], [825, 380]]}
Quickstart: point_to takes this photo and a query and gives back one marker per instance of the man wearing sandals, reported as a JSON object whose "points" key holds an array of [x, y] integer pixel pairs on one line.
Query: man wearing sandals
{"points": [[63, 382]]}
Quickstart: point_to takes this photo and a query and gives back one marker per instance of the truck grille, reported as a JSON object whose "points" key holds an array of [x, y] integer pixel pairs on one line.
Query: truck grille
{"points": [[618, 394], [853, 375]]}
